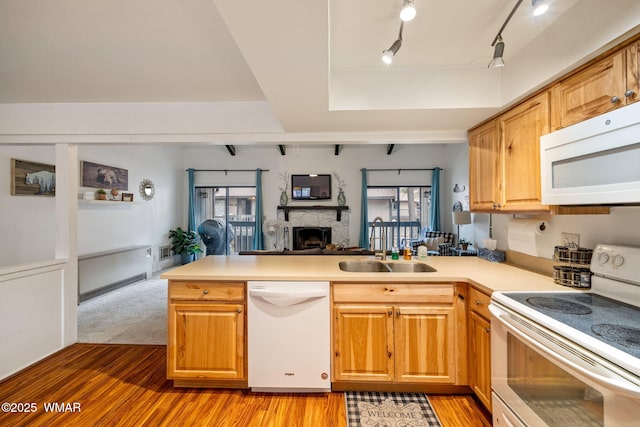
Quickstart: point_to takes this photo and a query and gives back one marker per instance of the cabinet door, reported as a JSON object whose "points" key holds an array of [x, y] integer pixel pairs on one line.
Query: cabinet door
{"points": [[206, 341], [480, 358], [425, 344], [485, 175], [520, 130], [363, 344], [589, 92], [633, 74]]}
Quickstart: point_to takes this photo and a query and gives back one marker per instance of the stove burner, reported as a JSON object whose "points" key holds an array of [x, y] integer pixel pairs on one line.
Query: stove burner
{"points": [[623, 335], [559, 305], [597, 301]]}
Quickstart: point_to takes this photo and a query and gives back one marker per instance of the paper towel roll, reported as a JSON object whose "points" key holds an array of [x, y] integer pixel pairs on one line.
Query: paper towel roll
{"points": [[523, 234]]}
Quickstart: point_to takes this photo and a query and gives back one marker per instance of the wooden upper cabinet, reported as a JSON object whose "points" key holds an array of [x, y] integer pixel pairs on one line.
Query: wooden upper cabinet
{"points": [[604, 86], [633, 73], [504, 159], [484, 167], [520, 129]]}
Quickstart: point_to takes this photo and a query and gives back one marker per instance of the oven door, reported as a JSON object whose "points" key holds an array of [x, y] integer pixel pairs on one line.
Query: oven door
{"points": [[542, 379]]}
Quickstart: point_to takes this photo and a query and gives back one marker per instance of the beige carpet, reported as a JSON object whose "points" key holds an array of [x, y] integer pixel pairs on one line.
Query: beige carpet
{"points": [[135, 314]]}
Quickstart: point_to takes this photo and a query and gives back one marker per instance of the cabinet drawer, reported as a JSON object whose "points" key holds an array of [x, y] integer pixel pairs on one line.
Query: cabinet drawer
{"points": [[205, 291], [440, 293], [479, 302]]}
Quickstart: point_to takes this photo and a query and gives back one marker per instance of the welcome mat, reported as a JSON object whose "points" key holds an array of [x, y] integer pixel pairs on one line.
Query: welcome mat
{"points": [[374, 409]]}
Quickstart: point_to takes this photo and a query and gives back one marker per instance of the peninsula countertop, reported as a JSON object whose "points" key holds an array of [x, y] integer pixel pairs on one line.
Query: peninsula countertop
{"points": [[487, 276]]}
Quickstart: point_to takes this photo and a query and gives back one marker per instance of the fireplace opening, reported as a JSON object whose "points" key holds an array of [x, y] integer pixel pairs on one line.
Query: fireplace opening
{"points": [[311, 237]]}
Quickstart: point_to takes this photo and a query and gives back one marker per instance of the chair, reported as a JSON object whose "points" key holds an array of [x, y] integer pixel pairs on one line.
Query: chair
{"points": [[438, 242]]}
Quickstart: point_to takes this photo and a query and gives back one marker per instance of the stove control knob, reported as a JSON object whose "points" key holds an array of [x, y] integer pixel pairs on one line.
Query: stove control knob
{"points": [[603, 257], [618, 260]]}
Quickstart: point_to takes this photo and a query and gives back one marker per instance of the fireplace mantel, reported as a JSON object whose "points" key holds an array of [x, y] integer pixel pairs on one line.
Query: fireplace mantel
{"points": [[338, 210]]}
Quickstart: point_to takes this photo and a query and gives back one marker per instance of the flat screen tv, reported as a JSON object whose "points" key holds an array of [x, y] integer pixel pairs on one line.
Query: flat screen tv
{"points": [[310, 187]]}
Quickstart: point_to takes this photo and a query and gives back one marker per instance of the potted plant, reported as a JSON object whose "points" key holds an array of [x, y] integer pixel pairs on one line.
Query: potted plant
{"points": [[101, 194], [464, 244], [185, 244]]}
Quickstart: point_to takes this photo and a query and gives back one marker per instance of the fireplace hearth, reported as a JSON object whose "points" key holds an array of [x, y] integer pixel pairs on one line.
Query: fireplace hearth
{"points": [[311, 237]]}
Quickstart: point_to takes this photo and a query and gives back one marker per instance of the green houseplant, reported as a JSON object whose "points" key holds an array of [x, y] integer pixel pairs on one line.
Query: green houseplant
{"points": [[185, 244], [101, 194]]}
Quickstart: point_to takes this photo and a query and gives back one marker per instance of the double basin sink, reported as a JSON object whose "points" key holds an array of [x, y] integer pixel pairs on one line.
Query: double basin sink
{"points": [[373, 266]]}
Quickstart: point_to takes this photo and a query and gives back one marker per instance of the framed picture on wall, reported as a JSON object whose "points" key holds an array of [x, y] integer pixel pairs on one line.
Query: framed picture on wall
{"points": [[32, 179], [95, 175], [127, 197]]}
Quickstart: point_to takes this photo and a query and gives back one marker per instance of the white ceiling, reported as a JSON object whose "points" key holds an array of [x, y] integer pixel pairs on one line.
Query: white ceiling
{"points": [[316, 63]]}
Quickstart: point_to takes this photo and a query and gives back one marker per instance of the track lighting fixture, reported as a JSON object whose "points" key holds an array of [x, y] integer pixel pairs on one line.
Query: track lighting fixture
{"points": [[387, 55], [497, 60], [539, 7], [408, 11]]}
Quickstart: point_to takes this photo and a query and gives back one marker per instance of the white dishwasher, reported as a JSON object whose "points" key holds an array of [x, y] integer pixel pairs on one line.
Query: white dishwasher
{"points": [[288, 336]]}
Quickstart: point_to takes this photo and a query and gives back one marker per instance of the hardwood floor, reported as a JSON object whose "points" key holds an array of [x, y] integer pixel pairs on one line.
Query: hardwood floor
{"points": [[125, 385]]}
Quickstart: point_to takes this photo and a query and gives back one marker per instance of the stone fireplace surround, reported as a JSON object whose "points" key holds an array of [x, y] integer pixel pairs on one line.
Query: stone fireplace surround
{"points": [[312, 217]]}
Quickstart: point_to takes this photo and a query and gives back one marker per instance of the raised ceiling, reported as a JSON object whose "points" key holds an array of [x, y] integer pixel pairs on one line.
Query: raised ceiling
{"points": [[315, 63]]}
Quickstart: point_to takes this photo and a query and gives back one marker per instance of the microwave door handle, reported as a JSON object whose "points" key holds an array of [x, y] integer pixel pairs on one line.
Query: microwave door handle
{"points": [[626, 389]]}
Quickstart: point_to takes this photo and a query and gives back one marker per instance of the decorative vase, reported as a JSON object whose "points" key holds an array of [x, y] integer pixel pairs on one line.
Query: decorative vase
{"points": [[284, 199], [341, 199], [101, 196]]}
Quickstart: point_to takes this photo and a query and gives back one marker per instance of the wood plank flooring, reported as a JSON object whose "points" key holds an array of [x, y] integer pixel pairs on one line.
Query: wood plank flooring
{"points": [[125, 385]]}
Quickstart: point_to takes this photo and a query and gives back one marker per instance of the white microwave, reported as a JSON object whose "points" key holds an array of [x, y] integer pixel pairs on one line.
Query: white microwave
{"points": [[596, 161]]}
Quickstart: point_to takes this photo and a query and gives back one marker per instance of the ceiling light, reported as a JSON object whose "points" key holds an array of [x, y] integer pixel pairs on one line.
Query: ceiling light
{"points": [[408, 11], [497, 60], [387, 55], [539, 7]]}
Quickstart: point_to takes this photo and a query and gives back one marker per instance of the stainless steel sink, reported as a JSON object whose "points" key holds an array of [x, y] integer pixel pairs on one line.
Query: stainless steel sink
{"points": [[366, 266], [371, 266], [410, 267]]}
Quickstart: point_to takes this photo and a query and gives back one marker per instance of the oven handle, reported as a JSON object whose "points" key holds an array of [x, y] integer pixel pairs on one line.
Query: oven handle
{"points": [[626, 389]]}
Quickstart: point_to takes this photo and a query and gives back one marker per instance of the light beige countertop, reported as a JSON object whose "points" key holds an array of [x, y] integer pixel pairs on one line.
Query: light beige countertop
{"points": [[487, 276]]}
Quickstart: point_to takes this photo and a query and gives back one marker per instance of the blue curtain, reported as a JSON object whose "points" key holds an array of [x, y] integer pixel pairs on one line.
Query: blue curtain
{"points": [[364, 213], [192, 200], [434, 221], [258, 240]]}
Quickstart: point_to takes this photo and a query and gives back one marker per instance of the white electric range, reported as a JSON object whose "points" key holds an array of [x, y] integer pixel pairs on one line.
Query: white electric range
{"points": [[561, 358]]}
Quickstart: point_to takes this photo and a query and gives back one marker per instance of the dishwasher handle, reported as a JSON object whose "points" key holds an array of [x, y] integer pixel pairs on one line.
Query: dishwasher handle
{"points": [[285, 298]]}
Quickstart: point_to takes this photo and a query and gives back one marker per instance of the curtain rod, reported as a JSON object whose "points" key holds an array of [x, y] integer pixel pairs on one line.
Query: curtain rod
{"points": [[399, 170], [226, 170]]}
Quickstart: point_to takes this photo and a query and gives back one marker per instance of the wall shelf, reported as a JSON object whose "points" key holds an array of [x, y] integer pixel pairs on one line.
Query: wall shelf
{"points": [[338, 210]]}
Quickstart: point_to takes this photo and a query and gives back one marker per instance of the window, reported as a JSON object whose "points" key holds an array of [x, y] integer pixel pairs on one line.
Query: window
{"points": [[229, 213], [404, 210]]}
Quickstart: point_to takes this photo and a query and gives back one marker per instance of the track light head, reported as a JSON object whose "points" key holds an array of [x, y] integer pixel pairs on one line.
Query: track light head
{"points": [[387, 55], [497, 60], [408, 11], [539, 7]]}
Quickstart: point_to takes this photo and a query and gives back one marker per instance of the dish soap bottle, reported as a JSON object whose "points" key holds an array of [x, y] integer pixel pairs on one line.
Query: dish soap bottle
{"points": [[422, 252], [407, 252], [394, 253]]}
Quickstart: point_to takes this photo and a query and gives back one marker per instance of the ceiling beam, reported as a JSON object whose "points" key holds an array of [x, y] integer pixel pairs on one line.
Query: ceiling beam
{"points": [[231, 149], [390, 148], [283, 150]]}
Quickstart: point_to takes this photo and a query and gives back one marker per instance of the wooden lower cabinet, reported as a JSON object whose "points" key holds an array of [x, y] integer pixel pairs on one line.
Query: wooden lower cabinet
{"points": [[397, 342], [206, 334], [479, 346]]}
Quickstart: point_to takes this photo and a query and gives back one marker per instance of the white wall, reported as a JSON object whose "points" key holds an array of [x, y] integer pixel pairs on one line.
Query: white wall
{"points": [[109, 226], [27, 223]]}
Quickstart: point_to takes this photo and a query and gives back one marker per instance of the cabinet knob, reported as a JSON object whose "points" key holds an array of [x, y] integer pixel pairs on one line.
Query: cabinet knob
{"points": [[629, 93], [488, 330], [205, 291], [615, 99], [397, 313], [390, 313], [239, 310]]}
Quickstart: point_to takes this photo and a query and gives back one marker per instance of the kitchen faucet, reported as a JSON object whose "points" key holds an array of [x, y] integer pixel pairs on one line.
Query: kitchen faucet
{"points": [[383, 238]]}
